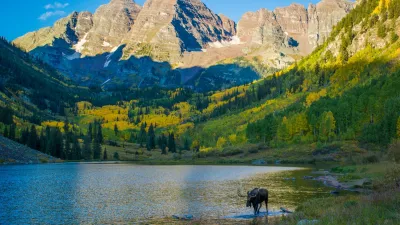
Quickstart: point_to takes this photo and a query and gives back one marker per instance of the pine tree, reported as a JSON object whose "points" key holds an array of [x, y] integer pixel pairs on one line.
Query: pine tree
{"points": [[151, 138], [5, 133], [49, 142], [96, 149], [186, 144], [90, 132], [87, 149], [76, 149], [116, 131], [13, 128], [116, 156], [43, 141], [25, 136], [100, 138], [105, 156], [171, 143], [163, 144], [32, 141], [58, 143], [142, 134]]}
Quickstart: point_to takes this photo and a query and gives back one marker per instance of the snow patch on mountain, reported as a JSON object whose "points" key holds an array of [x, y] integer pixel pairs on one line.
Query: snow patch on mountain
{"points": [[106, 44], [221, 44], [79, 46], [108, 60]]}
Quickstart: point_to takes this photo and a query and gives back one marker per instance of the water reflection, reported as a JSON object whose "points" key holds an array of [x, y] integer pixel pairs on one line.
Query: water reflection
{"points": [[120, 193]]}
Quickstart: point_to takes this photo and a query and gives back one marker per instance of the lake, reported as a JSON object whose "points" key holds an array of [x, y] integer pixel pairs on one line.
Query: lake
{"points": [[76, 193]]}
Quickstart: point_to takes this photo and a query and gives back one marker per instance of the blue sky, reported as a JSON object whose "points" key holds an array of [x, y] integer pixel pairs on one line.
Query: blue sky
{"points": [[18, 17]]}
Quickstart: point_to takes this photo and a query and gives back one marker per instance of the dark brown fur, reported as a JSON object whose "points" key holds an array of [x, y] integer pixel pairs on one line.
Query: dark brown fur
{"points": [[255, 198]]}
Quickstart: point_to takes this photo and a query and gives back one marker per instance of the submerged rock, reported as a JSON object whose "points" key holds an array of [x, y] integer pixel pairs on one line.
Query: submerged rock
{"points": [[259, 162], [183, 217]]}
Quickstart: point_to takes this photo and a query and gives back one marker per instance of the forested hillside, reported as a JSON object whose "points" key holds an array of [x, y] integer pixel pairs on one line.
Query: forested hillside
{"points": [[346, 90]]}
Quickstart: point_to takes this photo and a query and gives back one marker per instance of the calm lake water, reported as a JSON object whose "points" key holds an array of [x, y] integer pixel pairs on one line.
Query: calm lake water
{"points": [[83, 193]]}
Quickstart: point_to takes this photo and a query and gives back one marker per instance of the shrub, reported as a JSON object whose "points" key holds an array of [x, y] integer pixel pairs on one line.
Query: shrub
{"points": [[392, 178], [116, 156], [370, 159], [394, 151]]}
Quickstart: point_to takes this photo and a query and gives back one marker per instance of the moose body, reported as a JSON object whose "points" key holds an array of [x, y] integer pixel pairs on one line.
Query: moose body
{"points": [[255, 198]]}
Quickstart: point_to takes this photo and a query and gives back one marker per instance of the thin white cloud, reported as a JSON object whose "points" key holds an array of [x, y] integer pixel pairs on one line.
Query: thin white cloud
{"points": [[46, 15], [56, 5]]}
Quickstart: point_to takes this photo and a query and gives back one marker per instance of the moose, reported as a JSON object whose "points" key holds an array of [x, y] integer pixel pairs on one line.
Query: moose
{"points": [[255, 198]]}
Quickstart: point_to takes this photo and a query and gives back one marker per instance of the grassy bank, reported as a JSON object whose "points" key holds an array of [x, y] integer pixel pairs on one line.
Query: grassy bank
{"points": [[382, 206], [336, 153]]}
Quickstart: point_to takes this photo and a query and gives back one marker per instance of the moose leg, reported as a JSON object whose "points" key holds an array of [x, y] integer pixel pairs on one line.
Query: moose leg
{"points": [[255, 208], [266, 205], [259, 207]]}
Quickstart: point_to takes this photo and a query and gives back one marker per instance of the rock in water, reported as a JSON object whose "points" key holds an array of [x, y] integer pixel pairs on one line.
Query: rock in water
{"points": [[285, 210], [183, 217]]}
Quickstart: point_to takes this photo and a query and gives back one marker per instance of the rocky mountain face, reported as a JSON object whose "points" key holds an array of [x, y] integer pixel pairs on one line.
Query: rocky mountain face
{"points": [[127, 44], [111, 23], [168, 28], [293, 26]]}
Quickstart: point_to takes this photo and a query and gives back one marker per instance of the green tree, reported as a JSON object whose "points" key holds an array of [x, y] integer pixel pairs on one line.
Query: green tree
{"points": [[116, 156], [196, 146], [327, 127], [76, 149], [99, 136], [105, 156], [163, 144], [382, 31], [221, 142], [43, 141], [96, 147], [142, 134], [398, 127], [33, 138], [284, 131], [116, 131], [151, 138], [186, 144], [87, 149], [393, 37], [6, 115], [12, 132], [5, 132], [90, 132], [171, 143]]}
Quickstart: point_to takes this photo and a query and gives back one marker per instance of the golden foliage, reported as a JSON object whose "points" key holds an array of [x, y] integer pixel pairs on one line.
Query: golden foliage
{"points": [[313, 97], [221, 142]]}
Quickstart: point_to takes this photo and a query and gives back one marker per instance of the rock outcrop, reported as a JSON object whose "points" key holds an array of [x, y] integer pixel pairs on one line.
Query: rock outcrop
{"points": [[293, 26], [111, 22], [168, 28], [68, 30]]}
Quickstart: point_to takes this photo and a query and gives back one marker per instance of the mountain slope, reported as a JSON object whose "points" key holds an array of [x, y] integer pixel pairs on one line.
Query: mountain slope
{"points": [[347, 89], [185, 34], [32, 88], [13, 152]]}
